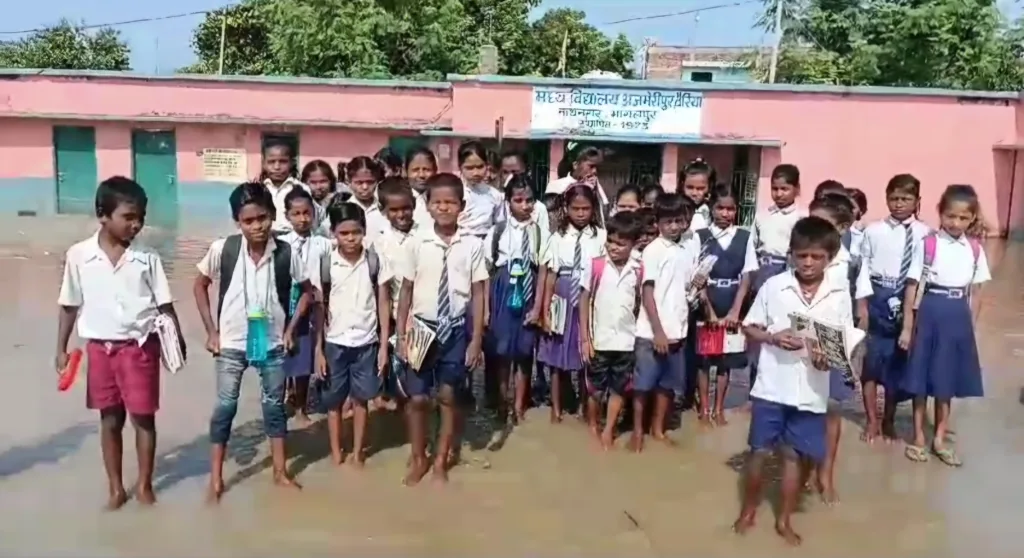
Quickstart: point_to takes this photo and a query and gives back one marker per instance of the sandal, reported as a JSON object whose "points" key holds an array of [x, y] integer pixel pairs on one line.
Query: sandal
{"points": [[917, 454], [947, 456]]}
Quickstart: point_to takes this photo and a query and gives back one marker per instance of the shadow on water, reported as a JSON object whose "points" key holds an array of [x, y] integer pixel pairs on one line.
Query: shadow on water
{"points": [[50, 449], [192, 460]]}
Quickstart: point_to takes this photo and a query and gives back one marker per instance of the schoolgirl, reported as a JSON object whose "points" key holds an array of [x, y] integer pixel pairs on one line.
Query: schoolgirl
{"points": [[724, 295], [580, 238], [649, 194], [323, 187], [581, 168], [886, 255], [514, 256], [946, 273], [483, 201], [772, 228], [278, 175], [628, 198], [860, 210], [420, 165], [697, 178], [364, 174], [389, 162]]}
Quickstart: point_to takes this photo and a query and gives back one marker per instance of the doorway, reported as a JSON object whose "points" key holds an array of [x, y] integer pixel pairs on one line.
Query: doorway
{"points": [[74, 162], [155, 167]]}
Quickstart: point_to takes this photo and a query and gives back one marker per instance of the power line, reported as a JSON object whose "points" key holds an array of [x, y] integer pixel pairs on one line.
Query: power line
{"points": [[685, 12], [125, 22]]}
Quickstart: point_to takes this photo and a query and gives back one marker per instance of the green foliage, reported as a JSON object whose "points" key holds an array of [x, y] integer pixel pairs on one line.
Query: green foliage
{"points": [[414, 39], [67, 47], [956, 44]]}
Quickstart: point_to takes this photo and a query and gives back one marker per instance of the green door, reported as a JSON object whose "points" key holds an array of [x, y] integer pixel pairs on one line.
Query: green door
{"points": [[155, 166], [402, 145], [74, 162]]}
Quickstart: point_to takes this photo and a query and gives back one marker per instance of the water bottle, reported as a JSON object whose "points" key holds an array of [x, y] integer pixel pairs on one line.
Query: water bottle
{"points": [[516, 296], [257, 338], [293, 300]]}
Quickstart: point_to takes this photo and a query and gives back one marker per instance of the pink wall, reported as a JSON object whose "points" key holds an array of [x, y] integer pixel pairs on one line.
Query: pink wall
{"points": [[26, 148]]}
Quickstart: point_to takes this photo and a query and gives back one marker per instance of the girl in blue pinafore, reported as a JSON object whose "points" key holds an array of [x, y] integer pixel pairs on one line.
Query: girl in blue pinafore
{"points": [[724, 295], [579, 238], [514, 256], [948, 268]]}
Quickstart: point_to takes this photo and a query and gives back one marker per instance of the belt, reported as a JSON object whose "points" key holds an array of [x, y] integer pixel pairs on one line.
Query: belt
{"points": [[455, 322], [565, 271], [887, 282], [953, 293], [723, 283], [766, 259]]}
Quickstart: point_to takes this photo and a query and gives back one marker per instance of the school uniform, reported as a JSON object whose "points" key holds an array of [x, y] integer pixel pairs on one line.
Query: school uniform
{"points": [[943, 362], [514, 255], [483, 208], [420, 215], [352, 341], [311, 250], [443, 276], [562, 184], [771, 240], [669, 268], [734, 249], [117, 309], [390, 246], [887, 252], [278, 193], [614, 303], [565, 255], [376, 221], [701, 218], [789, 396], [252, 287]]}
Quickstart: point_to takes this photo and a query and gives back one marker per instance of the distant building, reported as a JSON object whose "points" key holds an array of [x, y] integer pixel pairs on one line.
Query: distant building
{"points": [[706, 64]]}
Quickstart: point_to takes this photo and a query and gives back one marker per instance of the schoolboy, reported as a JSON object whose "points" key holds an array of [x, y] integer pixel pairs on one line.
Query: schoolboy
{"points": [[255, 275], [115, 289], [444, 276], [789, 398]]}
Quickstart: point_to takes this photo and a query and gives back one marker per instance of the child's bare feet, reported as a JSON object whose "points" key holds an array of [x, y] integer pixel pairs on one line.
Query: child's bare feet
{"points": [[117, 500], [556, 416], [358, 460], [282, 480], [889, 432], [302, 420], [785, 530], [636, 443], [744, 522], [144, 494], [418, 467], [827, 492], [440, 473], [214, 492], [704, 419], [664, 438], [607, 439], [871, 432], [338, 457], [718, 419]]}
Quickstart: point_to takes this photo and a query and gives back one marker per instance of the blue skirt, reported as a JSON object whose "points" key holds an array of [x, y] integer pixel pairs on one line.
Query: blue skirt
{"points": [[563, 351], [884, 362], [943, 361], [839, 390], [507, 336], [300, 364], [766, 271]]}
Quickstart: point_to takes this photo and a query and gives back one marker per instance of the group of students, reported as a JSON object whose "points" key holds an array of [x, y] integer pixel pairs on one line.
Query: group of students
{"points": [[606, 295]]}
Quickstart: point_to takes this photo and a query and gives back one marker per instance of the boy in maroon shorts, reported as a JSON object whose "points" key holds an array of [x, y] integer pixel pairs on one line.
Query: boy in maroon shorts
{"points": [[116, 289]]}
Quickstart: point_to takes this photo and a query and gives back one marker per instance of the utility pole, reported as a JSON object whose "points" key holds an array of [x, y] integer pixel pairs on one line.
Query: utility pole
{"points": [[223, 40], [776, 43]]}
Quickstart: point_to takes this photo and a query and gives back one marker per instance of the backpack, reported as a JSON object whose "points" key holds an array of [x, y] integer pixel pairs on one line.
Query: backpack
{"points": [[930, 242], [597, 270], [282, 261], [372, 264], [501, 227]]}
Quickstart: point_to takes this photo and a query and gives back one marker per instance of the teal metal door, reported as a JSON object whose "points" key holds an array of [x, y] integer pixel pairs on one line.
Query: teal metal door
{"points": [[155, 167], [74, 163]]}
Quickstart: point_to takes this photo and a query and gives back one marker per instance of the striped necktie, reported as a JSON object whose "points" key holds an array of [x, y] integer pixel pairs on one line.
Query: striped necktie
{"points": [[908, 250], [444, 302], [527, 259], [577, 260]]}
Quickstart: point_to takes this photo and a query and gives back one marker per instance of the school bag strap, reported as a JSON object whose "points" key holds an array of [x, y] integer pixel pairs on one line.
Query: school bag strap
{"points": [[931, 240], [597, 270], [499, 229], [372, 266], [282, 260]]}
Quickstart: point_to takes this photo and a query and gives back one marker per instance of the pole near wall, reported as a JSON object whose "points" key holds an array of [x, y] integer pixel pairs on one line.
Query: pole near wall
{"points": [[223, 41], [777, 42]]}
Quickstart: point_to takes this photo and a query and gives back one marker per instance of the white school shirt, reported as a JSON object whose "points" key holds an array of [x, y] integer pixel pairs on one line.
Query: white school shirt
{"points": [[421, 264], [773, 227], [376, 221], [420, 215], [390, 246], [787, 377], [881, 250], [724, 238], [116, 302], [612, 304], [322, 221], [278, 193], [856, 239], [510, 245], [311, 251], [838, 270], [670, 267], [561, 250], [259, 287], [953, 265], [701, 218], [483, 204], [352, 306]]}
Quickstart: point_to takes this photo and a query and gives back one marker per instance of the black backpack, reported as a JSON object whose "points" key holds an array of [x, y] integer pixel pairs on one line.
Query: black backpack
{"points": [[282, 258]]}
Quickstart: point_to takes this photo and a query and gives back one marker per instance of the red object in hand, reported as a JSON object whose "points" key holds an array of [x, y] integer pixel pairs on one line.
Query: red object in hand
{"points": [[70, 372], [710, 339]]}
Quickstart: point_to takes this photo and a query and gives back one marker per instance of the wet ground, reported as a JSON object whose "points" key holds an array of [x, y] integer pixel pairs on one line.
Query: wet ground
{"points": [[545, 493]]}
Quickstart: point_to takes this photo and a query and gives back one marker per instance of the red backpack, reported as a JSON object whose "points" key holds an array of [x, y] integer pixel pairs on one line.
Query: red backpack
{"points": [[930, 242], [597, 270]]}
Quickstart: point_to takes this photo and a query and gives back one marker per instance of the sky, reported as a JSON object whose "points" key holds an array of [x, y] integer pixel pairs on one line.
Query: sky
{"points": [[162, 46]]}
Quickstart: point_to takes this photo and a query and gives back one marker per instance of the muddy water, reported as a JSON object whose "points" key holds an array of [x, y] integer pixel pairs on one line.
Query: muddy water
{"points": [[545, 493]]}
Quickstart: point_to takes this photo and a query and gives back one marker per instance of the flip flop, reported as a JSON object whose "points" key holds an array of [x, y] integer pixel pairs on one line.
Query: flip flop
{"points": [[917, 454], [947, 456]]}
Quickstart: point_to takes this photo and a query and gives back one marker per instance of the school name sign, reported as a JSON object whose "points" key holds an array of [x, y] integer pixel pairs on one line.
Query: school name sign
{"points": [[627, 112]]}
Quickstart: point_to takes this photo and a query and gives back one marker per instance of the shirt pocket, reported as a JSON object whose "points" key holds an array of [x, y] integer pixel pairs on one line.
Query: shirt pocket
{"points": [[459, 273]]}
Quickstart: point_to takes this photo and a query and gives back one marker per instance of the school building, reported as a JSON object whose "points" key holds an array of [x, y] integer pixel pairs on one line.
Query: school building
{"points": [[189, 139]]}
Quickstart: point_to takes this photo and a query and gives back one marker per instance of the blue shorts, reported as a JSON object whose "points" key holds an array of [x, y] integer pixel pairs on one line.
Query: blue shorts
{"points": [[352, 372], [774, 424], [655, 371], [444, 365]]}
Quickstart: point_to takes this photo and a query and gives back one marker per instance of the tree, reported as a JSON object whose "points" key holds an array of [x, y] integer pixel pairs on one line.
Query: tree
{"points": [[958, 44], [415, 39], [67, 47]]}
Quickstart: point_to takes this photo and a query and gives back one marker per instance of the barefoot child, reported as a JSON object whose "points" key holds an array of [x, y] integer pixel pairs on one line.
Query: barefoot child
{"points": [[514, 256], [364, 174], [608, 308], [300, 210], [356, 293], [724, 295], [444, 274], [948, 268], [790, 395], [255, 274], [580, 238], [886, 255], [663, 321], [420, 165], [697, 178], [123, 373]]}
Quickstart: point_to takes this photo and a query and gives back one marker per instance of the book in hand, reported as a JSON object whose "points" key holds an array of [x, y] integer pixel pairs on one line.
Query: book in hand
{"points": [[840, 344], [557, 312], [420, 338], [700, 277]]}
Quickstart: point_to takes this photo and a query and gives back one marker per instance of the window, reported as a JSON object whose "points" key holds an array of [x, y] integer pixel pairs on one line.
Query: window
{"points": [[706, 77]]}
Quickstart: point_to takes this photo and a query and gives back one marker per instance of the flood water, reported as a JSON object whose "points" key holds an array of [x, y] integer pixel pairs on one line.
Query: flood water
{"points": [[544, 493]]}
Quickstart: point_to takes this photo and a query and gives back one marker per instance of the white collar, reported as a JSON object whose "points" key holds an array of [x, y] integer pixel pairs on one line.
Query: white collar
{"points": [[131, 252], [826, 288], [895, 223], [783, 210]]}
